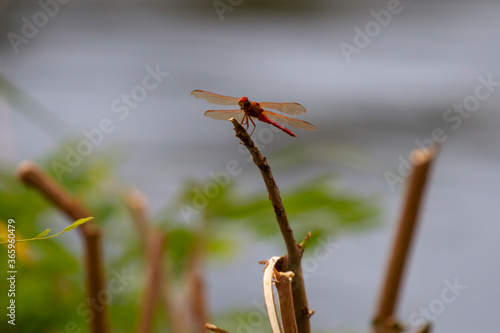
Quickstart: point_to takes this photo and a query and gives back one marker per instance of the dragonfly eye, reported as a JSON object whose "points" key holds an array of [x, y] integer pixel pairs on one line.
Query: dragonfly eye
{"points": [[243, 101]]}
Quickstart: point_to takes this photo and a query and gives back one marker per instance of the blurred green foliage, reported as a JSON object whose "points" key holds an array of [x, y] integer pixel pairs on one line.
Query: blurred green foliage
{"points": [[317, 206], [50, 285]]}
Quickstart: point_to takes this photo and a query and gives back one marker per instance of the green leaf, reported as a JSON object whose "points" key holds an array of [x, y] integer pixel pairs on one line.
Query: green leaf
{"points": [[43, 235]]}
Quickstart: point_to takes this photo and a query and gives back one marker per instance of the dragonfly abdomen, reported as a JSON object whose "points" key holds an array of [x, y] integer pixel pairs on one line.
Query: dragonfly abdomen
{"points": [[275, 124]]}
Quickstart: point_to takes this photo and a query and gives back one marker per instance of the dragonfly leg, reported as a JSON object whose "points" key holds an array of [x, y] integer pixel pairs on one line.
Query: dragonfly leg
{"points": [[243, 121], [254, 127], [247, 123]]}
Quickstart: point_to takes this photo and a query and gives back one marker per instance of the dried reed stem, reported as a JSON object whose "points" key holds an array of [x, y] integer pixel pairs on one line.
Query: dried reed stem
{"points": [[294, 252], [197, 300], [214, 328], [422, 160], [138, 205], [283, 282], [156, 242]]}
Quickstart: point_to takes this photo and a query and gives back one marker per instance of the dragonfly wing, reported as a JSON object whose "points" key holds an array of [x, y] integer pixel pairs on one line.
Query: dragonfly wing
{"points": [[225, 114], [297, 123], [288, 108], [215, 98]]}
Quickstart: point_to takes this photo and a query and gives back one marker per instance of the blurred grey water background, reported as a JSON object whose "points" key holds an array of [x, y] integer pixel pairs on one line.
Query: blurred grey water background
{"points": [[394, 92]]}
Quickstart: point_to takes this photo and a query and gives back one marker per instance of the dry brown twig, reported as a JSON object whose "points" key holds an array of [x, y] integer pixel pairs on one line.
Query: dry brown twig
{"points": [[214, 328], [283, 282], [33, 176], [138, 205], [156, 243], [197, 300], [302, 312], [160, 285], [30, 174], [421, 160]]}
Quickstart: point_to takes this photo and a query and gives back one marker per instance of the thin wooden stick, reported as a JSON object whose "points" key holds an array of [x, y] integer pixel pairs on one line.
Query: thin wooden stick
{"points": [[214, 328], [283, 282], [174, 314], [302, 313], [197, 296], [33, 176], [138, 206], [421, 160], [95, 279], [197, 300], [157, 242]]}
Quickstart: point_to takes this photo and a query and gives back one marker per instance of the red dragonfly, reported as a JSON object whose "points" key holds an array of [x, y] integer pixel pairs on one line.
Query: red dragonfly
{"points": [[249, 110]]}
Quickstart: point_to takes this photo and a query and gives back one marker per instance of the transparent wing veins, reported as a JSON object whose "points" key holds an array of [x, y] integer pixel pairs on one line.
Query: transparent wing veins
{"points": [[297, 123], [225, 114], [215, 98], [288, 108]]}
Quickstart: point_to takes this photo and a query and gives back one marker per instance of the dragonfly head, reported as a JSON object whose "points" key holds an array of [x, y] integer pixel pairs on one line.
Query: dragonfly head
{"points": [[243, 102]]}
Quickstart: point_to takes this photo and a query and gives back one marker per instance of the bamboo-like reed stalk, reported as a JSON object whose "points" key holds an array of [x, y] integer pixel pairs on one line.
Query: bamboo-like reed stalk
{"points": [[385, 321]]}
